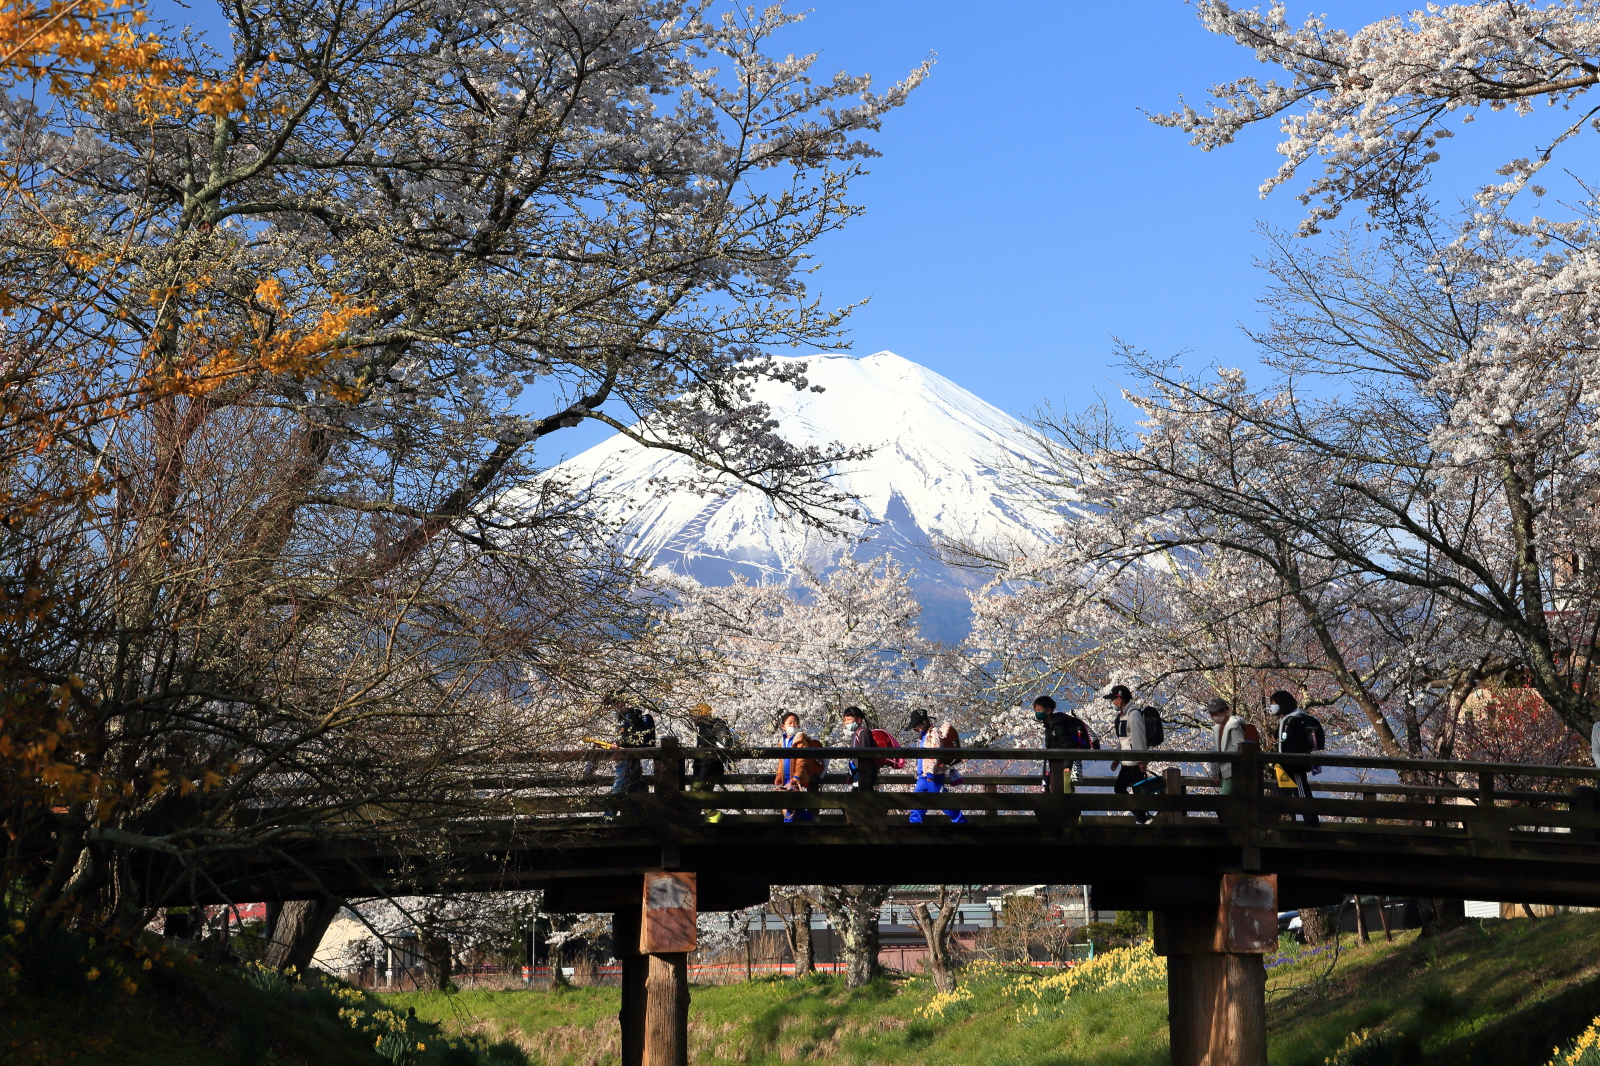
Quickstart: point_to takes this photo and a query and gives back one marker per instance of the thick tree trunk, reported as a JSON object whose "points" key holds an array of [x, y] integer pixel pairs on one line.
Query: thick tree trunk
{"points": [[853, 909], [1315, 925], [437, 961], [300, 928]]}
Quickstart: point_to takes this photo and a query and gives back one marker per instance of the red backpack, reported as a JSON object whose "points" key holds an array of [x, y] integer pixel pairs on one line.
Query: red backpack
{"points": [[884, 739]]}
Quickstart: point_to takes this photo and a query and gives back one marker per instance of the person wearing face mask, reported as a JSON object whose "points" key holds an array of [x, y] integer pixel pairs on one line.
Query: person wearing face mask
{"points": [[1062, 730], [1298, 734], [798, 775], [1130, 730]]}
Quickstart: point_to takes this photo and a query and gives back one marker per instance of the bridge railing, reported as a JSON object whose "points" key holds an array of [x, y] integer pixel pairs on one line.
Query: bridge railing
{"points": [[1454, 797]]}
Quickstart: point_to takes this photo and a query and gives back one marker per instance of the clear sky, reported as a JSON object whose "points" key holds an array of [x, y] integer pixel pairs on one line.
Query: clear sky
{"points": [[1025, 212]]}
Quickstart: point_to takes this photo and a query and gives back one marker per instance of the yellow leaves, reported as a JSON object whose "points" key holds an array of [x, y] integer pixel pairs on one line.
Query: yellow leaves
{"points": [[158, 781], [93, 974], [210, 780]]}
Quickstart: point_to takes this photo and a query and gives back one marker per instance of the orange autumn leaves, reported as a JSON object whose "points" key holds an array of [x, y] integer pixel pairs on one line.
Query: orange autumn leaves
{"points": [[55, 386]]}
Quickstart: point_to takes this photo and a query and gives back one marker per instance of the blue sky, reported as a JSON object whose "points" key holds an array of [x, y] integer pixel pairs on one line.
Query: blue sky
{"points": [[1025, 212]]}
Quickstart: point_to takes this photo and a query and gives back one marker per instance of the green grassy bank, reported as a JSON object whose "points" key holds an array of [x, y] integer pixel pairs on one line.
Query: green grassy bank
{"points": [[1495, 994], [1490, 994]]}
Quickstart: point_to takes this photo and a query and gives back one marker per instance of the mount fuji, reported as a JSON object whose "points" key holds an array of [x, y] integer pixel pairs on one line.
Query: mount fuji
{"points": [[942, 468]]}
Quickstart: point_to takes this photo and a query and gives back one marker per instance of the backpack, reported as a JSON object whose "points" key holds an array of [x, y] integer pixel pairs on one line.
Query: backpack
{"points": [[1309, 731], [1067, 731], [1252, 735], [883, 739], [945, 736], [1154, 732]]}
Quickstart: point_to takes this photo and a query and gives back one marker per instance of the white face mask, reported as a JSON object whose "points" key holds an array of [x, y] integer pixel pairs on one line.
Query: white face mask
{"points": [[790, 730], [1273, 707]]}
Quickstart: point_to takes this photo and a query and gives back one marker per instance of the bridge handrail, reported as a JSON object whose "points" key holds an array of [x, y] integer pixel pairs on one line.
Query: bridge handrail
{"points": [[1068, 754]]}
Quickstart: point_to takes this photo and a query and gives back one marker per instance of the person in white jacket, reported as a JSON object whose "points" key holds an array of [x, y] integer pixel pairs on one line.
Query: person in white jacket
{"points": [[1130, 738], [1227, 733]]}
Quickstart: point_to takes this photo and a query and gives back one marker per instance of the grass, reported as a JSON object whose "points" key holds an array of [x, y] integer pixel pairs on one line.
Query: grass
{"points": [[1489, 994], [1492, 993]]}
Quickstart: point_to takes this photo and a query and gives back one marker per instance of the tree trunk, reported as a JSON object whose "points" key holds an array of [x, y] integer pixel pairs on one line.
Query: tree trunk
{"points": [[300, 928], [797, 930], [935, 930], [437, 961], [1361, 921], [1315, 924], [853, 909]]}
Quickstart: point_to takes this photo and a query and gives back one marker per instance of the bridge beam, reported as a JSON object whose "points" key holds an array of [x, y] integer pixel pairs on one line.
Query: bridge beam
{"points": [[1216, 980]]}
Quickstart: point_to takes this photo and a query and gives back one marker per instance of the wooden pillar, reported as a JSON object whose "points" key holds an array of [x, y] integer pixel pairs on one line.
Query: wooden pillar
{"points": [[667, 935], [667, 1014], [1216, 980], [635, 968]]}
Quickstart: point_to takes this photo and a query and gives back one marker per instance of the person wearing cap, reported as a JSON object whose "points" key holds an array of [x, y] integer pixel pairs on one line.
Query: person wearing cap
{"points": [[931, 773], [1227, 733], [1130, 738], [1298, 734], [709, 732], [798, 775], [858, 734]]}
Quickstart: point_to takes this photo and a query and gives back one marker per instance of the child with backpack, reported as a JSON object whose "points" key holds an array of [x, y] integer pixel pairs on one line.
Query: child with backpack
{"points": [[1134, 729], [931, 773], [1298, 734], [864, 772], [1062, 730]]}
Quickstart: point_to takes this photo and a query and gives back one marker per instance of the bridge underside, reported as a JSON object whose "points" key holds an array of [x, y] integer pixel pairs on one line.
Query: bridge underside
{"points": [[1129, 866]]}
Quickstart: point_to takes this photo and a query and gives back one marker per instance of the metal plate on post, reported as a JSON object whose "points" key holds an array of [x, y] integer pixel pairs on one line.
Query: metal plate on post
{"points": [[668, 920], [1249, 918]]}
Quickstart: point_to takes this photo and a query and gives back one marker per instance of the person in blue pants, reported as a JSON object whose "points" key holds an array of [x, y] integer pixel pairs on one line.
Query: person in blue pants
{"points": [[931, 773]]}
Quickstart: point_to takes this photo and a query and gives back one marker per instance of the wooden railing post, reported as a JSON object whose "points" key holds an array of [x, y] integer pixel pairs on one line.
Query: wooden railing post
{"points": [[1371, 799], [1247, 774], [1584, 800], [1174, 786], [992, 790], [669, 767]]}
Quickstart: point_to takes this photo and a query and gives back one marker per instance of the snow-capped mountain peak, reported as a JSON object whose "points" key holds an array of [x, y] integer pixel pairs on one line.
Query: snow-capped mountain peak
{"points": [[940, 468]]}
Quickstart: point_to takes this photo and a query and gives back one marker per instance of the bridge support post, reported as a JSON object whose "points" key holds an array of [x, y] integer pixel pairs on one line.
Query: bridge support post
{"points": [[1216, 982], [667, 1013], [666, 936], [635, 969]]}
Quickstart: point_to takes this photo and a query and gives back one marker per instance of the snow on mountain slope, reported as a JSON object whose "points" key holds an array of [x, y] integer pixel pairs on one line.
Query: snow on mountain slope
{"points": [[939, 469]]}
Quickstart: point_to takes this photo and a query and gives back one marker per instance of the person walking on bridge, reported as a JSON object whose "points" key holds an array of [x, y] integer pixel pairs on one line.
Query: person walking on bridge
{"points": [[1298, 734], [858, 734], [1062, 730], [1130, 738], [711, 732], [932, 773], [636, 728], [798, 775], [1228, 731]]}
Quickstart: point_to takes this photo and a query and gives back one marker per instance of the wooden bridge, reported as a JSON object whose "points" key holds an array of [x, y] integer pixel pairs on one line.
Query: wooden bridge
{"points": [[1216, 869]]}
